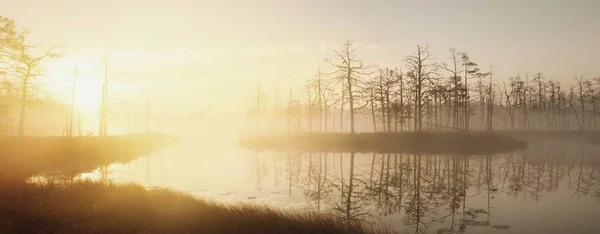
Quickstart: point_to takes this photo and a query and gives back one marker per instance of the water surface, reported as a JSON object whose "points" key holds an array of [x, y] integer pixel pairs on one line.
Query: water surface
{"points": [[551, 187]]}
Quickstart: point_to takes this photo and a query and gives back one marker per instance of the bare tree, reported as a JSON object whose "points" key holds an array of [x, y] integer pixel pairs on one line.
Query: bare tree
{"points": [[390, 78], [455, 84], [509, 100], [572, 106], [71, 116], [470, 69], [582, 96], [420, 72], [328, 101], [109, 79], [349, 72], [540, 97]]}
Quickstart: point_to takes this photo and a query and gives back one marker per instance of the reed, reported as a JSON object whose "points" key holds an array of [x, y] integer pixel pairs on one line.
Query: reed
{"points": [[91, 207]]}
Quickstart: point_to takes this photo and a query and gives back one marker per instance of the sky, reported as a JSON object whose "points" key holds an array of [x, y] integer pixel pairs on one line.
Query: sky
{"points": [[206, 55]]}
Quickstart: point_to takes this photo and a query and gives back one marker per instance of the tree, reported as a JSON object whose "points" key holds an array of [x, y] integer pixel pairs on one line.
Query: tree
{"points": [[371, 98], [349, 72], [109, 79], [540, 96], [582, 95], [455, 83], [8, 42], [572, 105], [71, 115], [591, 93], [329, 95], [483, 96], [420, 72], [27, 67], [390, 78], [470, 69], [379, 90], [490, 104], [311, 93], [509, 99]]}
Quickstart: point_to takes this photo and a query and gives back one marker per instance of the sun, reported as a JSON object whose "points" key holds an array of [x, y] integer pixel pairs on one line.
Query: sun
{"points": [[88, 95]]}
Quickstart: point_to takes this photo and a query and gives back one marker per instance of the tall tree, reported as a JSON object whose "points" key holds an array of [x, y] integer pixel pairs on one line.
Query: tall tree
{"points": [[350, 70], [470, 70], [540, 92], [27, 67], [420, 71], [591, 93], [509, 100], [582, 96], [71, 116], [490, 104], [455, 85], [109, 79]]}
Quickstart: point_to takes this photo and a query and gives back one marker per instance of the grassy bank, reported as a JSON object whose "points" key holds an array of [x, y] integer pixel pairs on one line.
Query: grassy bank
{"points": [[23, 157], [396, 142], [90, 207]]}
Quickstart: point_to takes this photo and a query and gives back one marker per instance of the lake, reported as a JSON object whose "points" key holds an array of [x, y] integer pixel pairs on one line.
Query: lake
{"points": [[550, 187]]}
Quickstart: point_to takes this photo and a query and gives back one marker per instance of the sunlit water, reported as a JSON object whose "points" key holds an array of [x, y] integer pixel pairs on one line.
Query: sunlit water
{"points": [[549, 188]]}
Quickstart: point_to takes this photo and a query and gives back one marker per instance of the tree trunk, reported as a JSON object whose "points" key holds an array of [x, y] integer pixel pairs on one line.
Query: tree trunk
{"points": [[24, 101], [351, 100]]}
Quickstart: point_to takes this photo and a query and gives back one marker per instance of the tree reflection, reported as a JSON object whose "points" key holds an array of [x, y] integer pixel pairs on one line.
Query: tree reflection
{"points": [[447, 192]]}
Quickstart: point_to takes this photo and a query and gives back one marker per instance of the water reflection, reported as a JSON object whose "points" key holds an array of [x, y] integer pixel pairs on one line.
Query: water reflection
{"points": [[549, 187]]}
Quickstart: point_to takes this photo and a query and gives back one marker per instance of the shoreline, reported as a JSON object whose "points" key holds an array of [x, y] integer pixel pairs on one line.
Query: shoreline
{"points": [[94, 207], [29, 156], [386, 142]]}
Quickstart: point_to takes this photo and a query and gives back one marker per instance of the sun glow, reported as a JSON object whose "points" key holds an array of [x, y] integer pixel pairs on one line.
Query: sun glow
{"points": [[88, 94]]}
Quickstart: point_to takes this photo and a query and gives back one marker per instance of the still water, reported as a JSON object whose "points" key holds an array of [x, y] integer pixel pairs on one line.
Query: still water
{"points": [[551, 187]]}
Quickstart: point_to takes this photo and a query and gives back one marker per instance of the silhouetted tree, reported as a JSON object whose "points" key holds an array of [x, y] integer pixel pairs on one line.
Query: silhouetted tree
{"points": [[349, 72], [420, 71], [455, 85], [27, 67], [470, 69]]}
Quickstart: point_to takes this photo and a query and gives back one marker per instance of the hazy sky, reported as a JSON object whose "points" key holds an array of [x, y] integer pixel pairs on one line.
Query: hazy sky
{"points": [[183, 48]]}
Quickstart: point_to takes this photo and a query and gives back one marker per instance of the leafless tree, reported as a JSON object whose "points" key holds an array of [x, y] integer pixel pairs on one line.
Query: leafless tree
{"points": [[455, 85], [109, 79], [470, 69], [350, 70], [582, 96], [420, 71], [71, 116], [509, 100]]}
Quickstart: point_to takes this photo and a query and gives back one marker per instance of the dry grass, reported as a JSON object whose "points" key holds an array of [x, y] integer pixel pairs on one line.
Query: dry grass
{"points": [[91, 207], [23, 157], [395, 142]]}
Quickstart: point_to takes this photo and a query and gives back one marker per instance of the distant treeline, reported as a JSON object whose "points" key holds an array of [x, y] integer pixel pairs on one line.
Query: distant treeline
{"points": [[427, 95], [399, 142], [21, 66]]}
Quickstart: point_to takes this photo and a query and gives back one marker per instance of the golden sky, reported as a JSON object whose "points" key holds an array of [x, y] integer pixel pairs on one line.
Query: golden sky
{"points": [[207, 54]]}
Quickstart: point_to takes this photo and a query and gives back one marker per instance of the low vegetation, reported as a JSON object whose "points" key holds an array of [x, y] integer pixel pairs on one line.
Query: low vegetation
{"points": [[94, 207], [393, 142], [23, 157]]}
